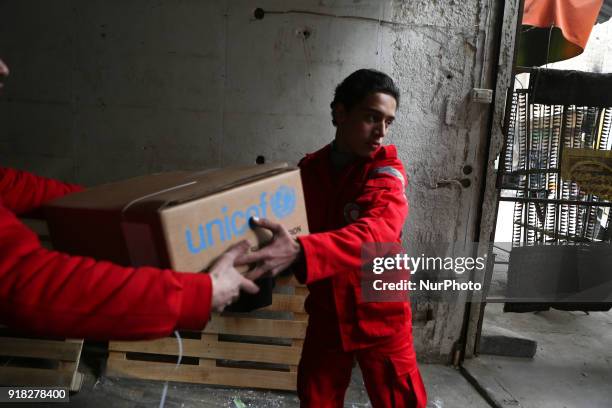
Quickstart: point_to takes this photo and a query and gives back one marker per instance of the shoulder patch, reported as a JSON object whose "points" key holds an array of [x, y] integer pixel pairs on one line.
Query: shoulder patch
{"points": [[392, 171]]}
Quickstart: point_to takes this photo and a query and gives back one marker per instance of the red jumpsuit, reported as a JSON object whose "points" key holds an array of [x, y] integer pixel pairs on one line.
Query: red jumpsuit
{"points": [[363, 202], [52, 294]]}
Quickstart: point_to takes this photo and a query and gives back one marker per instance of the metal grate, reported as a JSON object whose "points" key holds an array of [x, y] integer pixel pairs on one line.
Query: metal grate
{"points": [[548, 208]]}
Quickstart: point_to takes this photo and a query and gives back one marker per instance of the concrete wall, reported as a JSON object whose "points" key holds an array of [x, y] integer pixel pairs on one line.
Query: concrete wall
{"points": [[105, 89]]}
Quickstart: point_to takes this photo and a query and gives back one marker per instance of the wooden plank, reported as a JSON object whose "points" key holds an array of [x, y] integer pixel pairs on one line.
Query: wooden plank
{"points": [[210, 364], [256, 327], [73, 366], [286, 303], [35, 377], [255, 352], [300, 316], [115, 355], [37, 348], [237, 377], [211, 348], [301, 291], [287, 281], [77, 382]]}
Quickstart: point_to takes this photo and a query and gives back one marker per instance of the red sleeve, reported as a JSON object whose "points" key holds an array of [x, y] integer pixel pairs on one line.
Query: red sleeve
{"points": [[22, 192], [49, 293], [383, 206]]}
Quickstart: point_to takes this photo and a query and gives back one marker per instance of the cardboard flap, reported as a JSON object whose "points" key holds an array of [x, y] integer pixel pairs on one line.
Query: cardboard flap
{"points": [[114, 196], [211, 182], [157, 191]]}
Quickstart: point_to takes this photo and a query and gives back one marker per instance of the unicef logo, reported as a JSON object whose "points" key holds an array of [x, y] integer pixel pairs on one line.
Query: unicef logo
{"points": [[283, 201], [233, 223]]}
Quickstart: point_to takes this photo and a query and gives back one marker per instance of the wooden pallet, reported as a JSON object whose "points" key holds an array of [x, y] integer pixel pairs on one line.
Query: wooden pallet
{"points": [[255, 350], [40, 362]]}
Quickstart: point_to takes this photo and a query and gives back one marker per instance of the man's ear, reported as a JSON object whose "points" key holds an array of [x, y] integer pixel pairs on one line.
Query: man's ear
{"points": [[340, 113]]}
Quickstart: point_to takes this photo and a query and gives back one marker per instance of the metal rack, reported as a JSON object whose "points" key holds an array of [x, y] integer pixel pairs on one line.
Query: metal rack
{"points": [[548, 208]]}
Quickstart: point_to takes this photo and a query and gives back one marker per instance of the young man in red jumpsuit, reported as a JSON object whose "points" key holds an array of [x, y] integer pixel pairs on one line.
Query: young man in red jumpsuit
{"points": [[49, 293], [355, 194]]}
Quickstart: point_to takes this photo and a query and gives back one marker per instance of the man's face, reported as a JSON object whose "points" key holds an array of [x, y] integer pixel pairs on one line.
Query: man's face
{"points": [[362, 129], [4, 71]]}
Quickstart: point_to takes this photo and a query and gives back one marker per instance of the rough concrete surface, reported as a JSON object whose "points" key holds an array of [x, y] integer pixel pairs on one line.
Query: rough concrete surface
{"points": [[572, 367], [504, 342], [445, 386]]}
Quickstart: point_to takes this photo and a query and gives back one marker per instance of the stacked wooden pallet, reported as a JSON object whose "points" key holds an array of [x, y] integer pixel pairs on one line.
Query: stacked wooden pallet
{"points": [[256, 350], [39, 362]]}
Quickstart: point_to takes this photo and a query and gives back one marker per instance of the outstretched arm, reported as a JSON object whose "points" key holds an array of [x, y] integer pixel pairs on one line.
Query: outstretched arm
{"points": [[49, 293], [22, 192]]}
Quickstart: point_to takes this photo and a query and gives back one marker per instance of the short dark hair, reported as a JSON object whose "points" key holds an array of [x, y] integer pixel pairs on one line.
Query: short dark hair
{"points": [[357, 86]]}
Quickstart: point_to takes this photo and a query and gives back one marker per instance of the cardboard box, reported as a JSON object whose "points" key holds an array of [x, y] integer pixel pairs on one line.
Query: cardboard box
{"points": [[178, 220]]}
